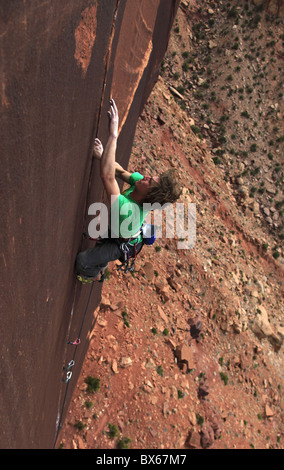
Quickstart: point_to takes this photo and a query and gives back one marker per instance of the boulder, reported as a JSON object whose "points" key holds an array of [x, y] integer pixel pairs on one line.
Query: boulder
{"points": [[193, 440], [207, 436], [125, 362], [184, 357], [203, 391], [262, 328], [148, 269]]}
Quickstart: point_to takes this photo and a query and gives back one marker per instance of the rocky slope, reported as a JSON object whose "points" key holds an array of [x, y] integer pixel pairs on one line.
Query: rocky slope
{"points": [[187, 351]]}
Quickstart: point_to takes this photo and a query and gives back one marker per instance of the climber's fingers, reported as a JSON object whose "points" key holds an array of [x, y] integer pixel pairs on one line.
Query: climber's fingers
{"points": [[98, 143], [113, 109], [113, 116]]}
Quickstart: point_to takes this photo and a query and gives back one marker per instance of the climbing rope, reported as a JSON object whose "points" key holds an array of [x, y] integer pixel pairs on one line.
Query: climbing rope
{"points": [[70, 365]]}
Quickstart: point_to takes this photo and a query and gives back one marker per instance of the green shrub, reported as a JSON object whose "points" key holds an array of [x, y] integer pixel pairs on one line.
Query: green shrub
{"points": [[93, 383], [224, 377], [185, 66], [216, 160], [125, 318], [112, 431], [185, 54], [245, 114], [233, 13], [123, 443], [195, 129], [276, 254], [80, 425], [199, 419], [160, 371], [88, 404]]}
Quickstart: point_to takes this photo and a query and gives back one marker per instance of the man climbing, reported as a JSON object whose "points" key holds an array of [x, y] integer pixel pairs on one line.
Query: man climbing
{"points": [[124, 238]]}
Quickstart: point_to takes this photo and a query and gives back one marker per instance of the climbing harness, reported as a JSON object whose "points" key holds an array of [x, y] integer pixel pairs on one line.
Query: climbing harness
{"points": [[148, 232]]}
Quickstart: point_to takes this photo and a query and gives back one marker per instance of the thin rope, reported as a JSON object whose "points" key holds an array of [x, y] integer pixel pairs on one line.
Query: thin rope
{"points": [[59, 426]]}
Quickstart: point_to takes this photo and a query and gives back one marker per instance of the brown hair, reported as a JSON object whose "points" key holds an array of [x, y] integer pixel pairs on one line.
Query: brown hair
{"points": [[167, 190]]}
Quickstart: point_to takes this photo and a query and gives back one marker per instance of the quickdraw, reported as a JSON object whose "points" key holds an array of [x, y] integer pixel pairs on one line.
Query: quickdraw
{"points": [[68, 377], [75, 343], [71, 364], [69, 373]]}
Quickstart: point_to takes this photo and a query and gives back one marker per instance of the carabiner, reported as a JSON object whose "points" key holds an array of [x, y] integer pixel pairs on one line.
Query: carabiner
{"points": [[68, 377], [71, 364]]}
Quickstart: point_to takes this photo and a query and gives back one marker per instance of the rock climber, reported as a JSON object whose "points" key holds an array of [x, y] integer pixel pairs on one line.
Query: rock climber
{"points": [[126, 240]]}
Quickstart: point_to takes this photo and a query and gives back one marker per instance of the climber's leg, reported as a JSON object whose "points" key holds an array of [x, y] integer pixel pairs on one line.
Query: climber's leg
{"points": [[91, 262]]}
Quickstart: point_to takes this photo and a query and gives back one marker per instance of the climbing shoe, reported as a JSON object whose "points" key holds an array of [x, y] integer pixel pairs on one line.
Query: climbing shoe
{"points": [[84, 280], [88, 280]]}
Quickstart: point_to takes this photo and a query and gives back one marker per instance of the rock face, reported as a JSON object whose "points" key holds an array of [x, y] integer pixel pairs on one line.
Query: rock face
{"points": [[60, 63]]}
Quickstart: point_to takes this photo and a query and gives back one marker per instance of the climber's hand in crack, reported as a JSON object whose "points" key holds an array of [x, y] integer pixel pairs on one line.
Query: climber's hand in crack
{"points": [[120, 172], [113, 119], [98, 149]]}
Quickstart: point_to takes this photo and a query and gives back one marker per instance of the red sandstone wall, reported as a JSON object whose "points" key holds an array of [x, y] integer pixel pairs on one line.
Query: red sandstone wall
{"points": [[60, 62]]}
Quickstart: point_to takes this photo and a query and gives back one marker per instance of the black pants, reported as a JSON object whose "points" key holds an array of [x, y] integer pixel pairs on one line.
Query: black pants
{"points": [[90, 262]]}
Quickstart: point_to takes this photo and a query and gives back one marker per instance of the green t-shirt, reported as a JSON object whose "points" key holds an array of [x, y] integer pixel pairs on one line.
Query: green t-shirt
{"points": [[131, 215]]}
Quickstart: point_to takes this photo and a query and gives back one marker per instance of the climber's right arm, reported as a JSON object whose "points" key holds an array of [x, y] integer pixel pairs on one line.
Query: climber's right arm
{"points": [[107, 161]]}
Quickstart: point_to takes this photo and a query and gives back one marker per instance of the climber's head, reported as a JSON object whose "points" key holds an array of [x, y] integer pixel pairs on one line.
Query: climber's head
{"points": [[144, 185], [161, 189]]}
